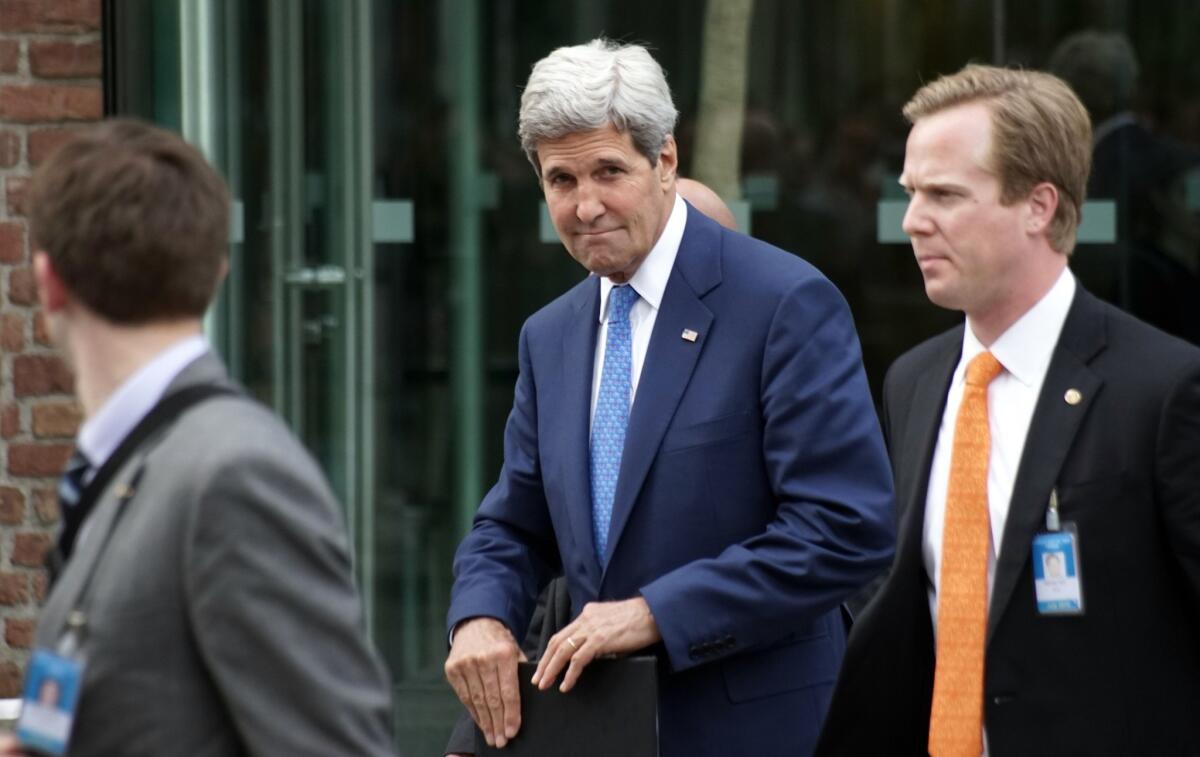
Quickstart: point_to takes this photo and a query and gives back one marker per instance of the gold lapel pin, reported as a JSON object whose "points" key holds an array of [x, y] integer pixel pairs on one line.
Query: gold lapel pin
{"points": [[689, 335], [1073, 397]]}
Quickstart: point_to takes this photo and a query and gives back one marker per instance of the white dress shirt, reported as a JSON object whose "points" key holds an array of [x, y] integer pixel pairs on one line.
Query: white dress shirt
{"points": [[133, 400], [1024, 350], [649, 281]]}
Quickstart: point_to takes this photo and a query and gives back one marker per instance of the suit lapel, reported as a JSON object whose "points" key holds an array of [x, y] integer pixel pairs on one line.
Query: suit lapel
{"points": [[579, 357], [670, 360], [1051, 433], [95, 533], [926, 408]]}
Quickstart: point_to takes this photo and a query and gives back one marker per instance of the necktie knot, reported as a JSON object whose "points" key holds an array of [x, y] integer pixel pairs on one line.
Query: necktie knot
{"points": [[982, 369], [620, 302], [70, 491], [70, 486]]}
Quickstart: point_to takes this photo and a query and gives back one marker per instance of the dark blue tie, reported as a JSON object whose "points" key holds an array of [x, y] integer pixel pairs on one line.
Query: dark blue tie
{"points": [[612, 413], [70, 489]]}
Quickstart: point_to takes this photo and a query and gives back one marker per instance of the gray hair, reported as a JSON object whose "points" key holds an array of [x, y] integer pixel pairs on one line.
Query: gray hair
{"points": [[591, 86]]}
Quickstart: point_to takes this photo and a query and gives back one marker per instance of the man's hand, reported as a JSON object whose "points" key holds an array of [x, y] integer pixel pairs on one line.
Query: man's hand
{"points": [[482, 668], [603, 628], [10, 747]]}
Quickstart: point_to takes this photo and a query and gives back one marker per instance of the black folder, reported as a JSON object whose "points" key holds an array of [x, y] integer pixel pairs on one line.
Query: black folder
{"points": [[613, 710]]}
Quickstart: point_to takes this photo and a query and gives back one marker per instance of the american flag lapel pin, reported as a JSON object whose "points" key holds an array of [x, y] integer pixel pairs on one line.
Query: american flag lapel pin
{"points": [[689, 335]]}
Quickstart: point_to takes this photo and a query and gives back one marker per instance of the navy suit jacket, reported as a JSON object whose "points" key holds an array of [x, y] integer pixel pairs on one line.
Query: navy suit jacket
{"points": [[754, 494]]}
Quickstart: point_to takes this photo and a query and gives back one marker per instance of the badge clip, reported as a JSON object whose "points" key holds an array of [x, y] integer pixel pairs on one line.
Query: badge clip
{"points": [[1052, 521]]}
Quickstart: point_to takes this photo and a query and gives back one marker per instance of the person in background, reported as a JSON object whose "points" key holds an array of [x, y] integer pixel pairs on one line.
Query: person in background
{"points": [[708, 202]]}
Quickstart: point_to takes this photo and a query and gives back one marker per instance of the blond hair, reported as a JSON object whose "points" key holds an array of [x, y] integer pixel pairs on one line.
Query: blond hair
{"points": [[1040, 133]]}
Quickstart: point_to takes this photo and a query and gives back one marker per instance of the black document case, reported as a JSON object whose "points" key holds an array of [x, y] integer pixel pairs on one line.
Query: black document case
{"points": [[613, 710]]}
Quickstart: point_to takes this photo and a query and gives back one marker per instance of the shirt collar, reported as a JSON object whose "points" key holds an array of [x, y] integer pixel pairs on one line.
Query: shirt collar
{"points": [[650, 279], [133, 399], [1025, 348]]}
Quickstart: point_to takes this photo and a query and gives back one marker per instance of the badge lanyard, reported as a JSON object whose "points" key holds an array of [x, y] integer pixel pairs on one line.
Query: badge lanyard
{"points": [[54, 678], [1057, 578]]}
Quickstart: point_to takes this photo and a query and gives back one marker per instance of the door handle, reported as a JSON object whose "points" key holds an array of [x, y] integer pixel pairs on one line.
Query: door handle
{"points": [[321, 276]]}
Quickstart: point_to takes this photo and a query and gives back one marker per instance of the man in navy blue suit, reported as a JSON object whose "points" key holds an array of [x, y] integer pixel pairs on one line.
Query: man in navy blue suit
{"points": [[692, 445]]}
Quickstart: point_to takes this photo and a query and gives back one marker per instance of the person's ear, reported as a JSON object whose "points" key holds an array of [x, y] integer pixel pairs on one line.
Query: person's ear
{"points": [[668, 162], [52, 292], [1042, 205]]}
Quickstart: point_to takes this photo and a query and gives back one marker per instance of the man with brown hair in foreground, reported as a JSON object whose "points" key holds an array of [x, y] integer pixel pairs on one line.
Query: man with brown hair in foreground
{"points": [[204, 580]]}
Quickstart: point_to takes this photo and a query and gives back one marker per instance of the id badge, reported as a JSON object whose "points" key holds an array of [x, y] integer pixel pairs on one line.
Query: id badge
{"points": [[1056, 575], [48, 709]]}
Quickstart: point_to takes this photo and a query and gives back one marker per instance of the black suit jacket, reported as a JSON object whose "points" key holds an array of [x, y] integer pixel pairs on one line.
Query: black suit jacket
{"points": [[1123, 679]]}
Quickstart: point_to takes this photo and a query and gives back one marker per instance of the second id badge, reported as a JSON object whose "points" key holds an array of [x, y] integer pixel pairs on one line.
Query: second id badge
{"points": [[1056, 575], [51, 693]]}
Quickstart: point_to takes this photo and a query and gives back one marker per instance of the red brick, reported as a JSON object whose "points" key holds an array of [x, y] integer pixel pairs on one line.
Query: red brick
{"points": [[10, 148], [29, 548], [41, 334], [12, 506], [38, 459], [14, 588], [12, 243], [19, 15], [45, 503], [22, 290], [10, 55], [16, 187], [11, 680], [65, 60], [12, 332], [18, 632], [41, 582], [49, 15], [84, 14], [56, 419], [43, 143], [36, 375], [10, 421], [50, 102]]}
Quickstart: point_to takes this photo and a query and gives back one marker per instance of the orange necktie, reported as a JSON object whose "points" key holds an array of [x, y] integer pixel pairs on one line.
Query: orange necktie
{"points": [[956, 721]]}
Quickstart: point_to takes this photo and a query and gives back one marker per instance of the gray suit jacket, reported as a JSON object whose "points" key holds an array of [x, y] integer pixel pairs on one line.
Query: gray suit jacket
{"points": [[222, 614]]}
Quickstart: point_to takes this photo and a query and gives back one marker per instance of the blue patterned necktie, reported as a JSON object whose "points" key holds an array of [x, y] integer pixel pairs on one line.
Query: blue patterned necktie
{"points": [[612, 413]]}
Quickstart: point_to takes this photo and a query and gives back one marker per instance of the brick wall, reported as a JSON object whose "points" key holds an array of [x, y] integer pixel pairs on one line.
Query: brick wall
{"points": [[50, 60]]}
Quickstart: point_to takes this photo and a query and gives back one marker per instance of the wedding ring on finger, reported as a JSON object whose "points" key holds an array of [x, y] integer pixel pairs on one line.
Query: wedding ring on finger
{"points": [[573, 644]]}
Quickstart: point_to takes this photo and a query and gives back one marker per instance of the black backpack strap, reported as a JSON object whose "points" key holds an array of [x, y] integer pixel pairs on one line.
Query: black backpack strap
{"points": [[166, 410]]}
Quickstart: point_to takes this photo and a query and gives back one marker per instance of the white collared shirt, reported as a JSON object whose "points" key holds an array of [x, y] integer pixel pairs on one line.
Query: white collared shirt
{"points": [[649, 281], [1024, 350], [133, 400]]}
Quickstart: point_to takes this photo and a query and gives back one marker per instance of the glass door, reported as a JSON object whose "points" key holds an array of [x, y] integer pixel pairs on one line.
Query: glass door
{"points": [[278, 94]]}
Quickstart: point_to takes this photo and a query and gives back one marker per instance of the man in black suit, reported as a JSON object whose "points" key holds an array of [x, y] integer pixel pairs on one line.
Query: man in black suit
{"points": [[1090, 439]]}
